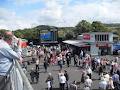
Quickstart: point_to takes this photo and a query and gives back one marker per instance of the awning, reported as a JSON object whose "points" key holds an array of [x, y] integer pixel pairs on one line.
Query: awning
{"points": [[78, 43]]}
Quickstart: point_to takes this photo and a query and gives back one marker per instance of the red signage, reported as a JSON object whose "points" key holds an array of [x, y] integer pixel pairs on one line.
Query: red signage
{"points": [[102, 45], [86, 36]]}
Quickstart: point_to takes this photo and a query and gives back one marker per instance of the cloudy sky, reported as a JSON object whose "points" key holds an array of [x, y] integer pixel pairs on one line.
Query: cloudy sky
{"points": [[19, 14]]}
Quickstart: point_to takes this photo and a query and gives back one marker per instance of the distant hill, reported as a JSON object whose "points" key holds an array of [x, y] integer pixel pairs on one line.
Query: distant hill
{"points": [[68, 28], [47, 27], [113, 25]]}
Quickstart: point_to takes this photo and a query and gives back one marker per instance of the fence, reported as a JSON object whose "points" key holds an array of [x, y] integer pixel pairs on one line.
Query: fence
{"points": [[17, 78]]}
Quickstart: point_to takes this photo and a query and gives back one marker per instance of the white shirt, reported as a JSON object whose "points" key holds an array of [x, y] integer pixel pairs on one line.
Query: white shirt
{"points": [[98, 60], [107, 76], [88, 82], [86, 88], [37, 62], [103, 84], [81, 53], [48, 84], [62, 79], [89, 71]]}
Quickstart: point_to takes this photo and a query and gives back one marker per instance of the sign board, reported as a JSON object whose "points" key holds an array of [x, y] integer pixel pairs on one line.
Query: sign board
{"points": [[102, 45], [86, 36]]}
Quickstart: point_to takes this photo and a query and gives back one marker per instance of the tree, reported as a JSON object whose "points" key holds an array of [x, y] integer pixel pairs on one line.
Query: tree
{"points": [[68, 36], [83, 27], [97, 26], [18, 33]]}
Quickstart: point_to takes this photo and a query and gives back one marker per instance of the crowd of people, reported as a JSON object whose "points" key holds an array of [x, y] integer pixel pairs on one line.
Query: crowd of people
{"points": [[108, 71]]}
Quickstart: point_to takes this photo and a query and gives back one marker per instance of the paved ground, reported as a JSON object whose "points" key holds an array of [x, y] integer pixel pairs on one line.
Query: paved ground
{"points": [[74, 74]]}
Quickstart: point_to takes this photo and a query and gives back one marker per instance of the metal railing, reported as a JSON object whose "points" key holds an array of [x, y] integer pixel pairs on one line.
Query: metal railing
{"points": [[18, 79]]}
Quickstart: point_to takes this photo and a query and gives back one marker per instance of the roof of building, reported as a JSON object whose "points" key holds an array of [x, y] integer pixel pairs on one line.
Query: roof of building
{"points": [[78, 43]]}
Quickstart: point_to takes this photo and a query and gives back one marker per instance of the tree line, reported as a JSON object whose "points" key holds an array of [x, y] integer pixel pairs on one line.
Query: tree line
{"points": [[68, 32]]}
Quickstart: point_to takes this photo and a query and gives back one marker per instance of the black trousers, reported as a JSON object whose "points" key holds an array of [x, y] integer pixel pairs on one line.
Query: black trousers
{"points": [[37, 67], [62, 86], [5, 83]]}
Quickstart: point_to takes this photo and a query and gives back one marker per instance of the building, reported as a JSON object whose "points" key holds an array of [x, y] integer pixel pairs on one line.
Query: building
{"points": [[97, 43], [100, 42]]}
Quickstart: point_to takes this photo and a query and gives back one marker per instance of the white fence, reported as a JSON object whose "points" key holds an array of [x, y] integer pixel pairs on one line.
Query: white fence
{"points": [[18, 79]]}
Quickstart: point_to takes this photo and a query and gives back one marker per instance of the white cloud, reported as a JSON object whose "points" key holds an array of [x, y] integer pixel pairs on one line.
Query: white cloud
{"points": [[9, 20], [48, 15], [109, 12], [62, 13]]}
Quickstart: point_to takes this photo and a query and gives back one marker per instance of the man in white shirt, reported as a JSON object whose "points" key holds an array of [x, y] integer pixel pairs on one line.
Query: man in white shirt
{"points": [[89, 72], [88, 82], [62, 81]]}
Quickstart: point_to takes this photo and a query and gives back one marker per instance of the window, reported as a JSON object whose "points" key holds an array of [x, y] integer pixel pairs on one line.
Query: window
{"points": [[102, 37], [107, 39], [96, 37]]}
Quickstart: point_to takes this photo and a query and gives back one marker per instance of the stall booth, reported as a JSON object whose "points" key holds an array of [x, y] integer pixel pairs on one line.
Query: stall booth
{"points": [[96, 43], [101, 43], [77, 46]]}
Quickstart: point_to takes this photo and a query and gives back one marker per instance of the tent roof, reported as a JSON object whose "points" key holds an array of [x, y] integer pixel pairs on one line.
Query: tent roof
{"points": [[78, 43]]}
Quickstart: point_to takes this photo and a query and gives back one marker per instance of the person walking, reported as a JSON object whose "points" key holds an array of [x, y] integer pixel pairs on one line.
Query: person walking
{"points": [[81, 54], [37, 64], [89, 72], [84, 74], [68, 59], [59, 58], [62, 81], [75, 60], [67, 78], [45, 65], [103, 84], [7, 57], [116, 81], [73, 86], [32, 75], [49, 81], [93, 64], [36, 76], [100, 71], [88, 82], [110, 85]]}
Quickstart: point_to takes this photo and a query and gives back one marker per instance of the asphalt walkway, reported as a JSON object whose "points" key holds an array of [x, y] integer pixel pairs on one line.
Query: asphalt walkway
{"points": [[74, 74]]}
